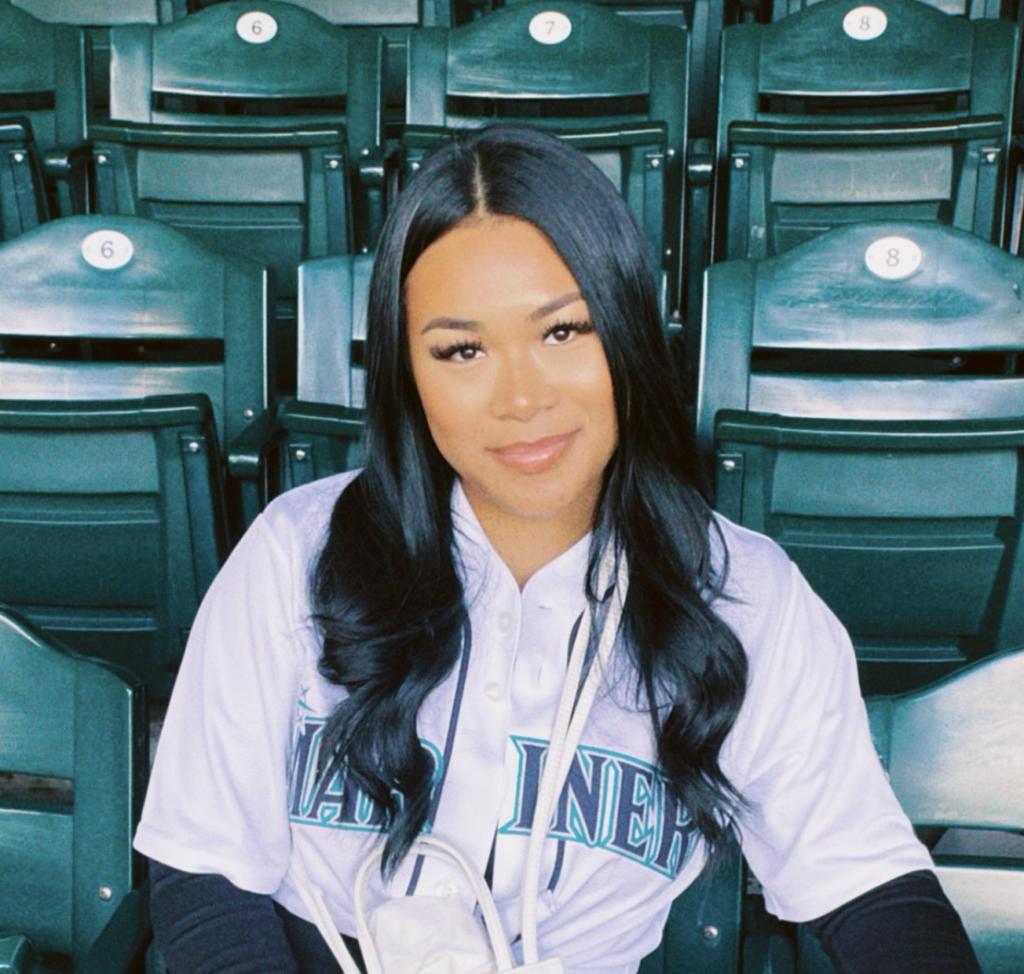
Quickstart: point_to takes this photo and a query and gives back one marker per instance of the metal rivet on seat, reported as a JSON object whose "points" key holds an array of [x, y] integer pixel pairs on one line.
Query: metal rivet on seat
{"points": [[193, 446], [990, 155], [333, 163], [364, 152], [739, 162], [709, 933], [300, 455], [728, 465], [101, 160], [248, 413], [106, 893], [19, 156]]}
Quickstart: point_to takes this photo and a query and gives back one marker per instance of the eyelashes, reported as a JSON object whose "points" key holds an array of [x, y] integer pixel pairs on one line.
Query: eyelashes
{"points": [[560, 333], [460, 351], [568, 328]]}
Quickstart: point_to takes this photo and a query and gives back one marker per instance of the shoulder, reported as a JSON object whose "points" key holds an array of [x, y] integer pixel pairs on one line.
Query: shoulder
{"points": [[757, 571], [298, 519], [786, 630]]}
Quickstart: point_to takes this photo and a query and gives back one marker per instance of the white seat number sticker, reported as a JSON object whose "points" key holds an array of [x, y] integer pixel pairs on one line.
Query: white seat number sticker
{"points": [[865, 23], [107, 250], [893, 258], [256, 27], [550, 27]]}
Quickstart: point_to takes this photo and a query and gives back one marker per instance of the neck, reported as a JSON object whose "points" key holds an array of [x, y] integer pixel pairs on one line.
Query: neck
{"points": [[525, 544]]}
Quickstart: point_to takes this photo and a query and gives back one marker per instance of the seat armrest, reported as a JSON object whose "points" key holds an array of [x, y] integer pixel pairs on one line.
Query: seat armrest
{"points": [[248, 455], [247, 452], [699, 162], [68, 167], [125, 937]]}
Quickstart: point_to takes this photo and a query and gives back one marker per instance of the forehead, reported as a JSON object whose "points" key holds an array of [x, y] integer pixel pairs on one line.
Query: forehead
{"points": [[486, 264]]}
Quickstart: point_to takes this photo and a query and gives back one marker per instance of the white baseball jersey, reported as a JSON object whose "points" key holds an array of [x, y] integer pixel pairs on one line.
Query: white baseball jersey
{"points": [[234, 789]]}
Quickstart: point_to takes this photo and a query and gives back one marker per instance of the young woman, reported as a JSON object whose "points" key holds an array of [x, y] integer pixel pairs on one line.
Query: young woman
{"points": [[384, 651]]}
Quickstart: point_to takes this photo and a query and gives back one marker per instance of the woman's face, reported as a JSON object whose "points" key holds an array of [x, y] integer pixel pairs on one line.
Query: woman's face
{"points": [[512, 376]]}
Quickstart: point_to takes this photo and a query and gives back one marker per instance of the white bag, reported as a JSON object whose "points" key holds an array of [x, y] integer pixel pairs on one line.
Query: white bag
{"points": [[438, 935]]}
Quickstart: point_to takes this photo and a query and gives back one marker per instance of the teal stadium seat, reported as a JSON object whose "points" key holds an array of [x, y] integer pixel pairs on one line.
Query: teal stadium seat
{"points": [[838, 114], [111, 485], [95, 18], [703, 930], [43, 81], [319, 432], [395, 19], [874, 425], [963, 8], [955, 757], [703, 20], [429, 13], [613, 88], [97, 13], [23, 204], [74, 762], [258, 135]]}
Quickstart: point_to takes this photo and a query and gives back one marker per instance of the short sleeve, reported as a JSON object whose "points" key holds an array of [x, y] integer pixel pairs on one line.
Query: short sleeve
{"points": [[822, 824], [217, 800]]}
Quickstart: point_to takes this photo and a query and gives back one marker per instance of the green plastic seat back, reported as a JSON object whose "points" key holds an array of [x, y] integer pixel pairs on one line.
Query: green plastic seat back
{"points": [[614, 88], [65, 854], [954, 756], [95, 18], [703, 21], [23, 204], [175, 318], [814, 332], [93, 13], [323, 426], [113, 524], [42, 76], [702, 932], [270, 148], [381, 13], [872, 426], [829, 117], [965, 8], [332, 329]]}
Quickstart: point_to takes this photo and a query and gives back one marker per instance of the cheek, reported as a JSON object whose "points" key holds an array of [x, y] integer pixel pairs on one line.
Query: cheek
{"points": [[451, 411]]}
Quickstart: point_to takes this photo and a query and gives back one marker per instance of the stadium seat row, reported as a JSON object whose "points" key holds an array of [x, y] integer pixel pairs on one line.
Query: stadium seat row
{"points": [[859, 398], [266, 131], [72, 892]]}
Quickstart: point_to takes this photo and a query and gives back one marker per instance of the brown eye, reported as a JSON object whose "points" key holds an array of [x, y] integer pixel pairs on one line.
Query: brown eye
{"points": [[460, 352], [565, 331]]}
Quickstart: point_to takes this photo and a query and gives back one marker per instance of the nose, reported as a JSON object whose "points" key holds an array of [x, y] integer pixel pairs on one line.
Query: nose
{"points": [[522, 388]]}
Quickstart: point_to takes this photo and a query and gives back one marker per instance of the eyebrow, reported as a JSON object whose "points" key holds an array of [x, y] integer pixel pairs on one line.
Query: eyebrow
{"points": [[456, 324], [552, 306], [468, 324]]}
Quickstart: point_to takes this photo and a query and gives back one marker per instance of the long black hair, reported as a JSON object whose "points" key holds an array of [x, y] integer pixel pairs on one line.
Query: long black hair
{"points": [[386, 591]]}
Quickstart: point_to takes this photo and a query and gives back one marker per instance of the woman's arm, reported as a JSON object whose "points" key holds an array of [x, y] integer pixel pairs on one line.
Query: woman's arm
{"points": [[204, 924], [904, 926]]}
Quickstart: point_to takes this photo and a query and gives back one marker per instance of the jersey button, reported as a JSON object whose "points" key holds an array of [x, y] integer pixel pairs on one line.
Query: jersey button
{"points": [[493, 692], [447, 891], [505, 622]]}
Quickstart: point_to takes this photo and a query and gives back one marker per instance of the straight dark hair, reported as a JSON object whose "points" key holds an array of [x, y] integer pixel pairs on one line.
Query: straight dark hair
{"points": [[387, 595]]}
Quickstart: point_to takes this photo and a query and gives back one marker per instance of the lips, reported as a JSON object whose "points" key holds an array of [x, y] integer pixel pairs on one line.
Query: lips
{"points": [[535, 456]]}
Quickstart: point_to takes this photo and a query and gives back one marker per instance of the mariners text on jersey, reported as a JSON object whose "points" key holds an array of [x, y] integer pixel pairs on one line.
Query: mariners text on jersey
{"points": [[610, 801]]}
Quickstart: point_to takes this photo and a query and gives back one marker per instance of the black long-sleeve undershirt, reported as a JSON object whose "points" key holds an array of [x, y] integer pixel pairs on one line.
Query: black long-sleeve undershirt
{"points": [[206, 925]]}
